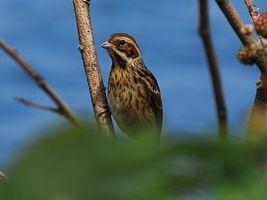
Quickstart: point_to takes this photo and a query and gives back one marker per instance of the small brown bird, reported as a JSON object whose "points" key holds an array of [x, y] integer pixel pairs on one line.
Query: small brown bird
{"points": [[133, 92]]}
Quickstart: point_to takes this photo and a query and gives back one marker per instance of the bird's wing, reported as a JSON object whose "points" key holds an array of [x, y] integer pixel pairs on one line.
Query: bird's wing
{"points": [[154, 95]]}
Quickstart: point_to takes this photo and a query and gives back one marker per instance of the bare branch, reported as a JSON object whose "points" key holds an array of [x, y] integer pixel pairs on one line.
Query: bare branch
{"points": [[91, 66], [204, 31], [66, 111], [30, 103], [261, 96], [254, 13], [235, 21]]}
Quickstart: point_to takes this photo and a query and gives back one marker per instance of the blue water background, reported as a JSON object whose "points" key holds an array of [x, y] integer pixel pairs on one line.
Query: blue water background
{"points": [[45, 34]]}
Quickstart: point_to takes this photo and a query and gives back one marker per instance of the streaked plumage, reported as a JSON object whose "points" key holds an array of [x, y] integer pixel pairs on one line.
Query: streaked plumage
{"points": [[133, 93]]}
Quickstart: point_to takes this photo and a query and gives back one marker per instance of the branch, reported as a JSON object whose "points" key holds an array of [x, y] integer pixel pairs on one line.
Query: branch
{"points": [[91, 66], [235, 21], [34, 104], [204, 31], [261, 61], [38, 79], [254, 13]]}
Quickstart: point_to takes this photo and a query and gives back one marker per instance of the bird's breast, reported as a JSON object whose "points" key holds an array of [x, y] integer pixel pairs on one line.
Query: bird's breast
{"points": [[122, 91], [127, 97]]}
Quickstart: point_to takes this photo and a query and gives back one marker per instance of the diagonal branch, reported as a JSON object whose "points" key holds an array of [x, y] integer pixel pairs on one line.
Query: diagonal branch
{"points": [[237, 24], [38, 79], [204, 31], [91, 66], [261, 96], [254, 13]]}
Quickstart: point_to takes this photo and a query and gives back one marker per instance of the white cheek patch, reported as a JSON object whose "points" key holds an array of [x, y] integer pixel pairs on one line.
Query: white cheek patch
{"points": [[123, 56]]}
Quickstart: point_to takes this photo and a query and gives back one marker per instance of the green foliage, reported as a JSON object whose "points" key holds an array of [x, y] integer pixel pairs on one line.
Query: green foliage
{"points": [[81, 164]]}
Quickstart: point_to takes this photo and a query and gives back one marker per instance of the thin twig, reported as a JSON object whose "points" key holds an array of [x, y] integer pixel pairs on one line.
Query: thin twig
{"points": [[204, 31], [62, 106], [254, 14], [30, 103], [91, 66]]}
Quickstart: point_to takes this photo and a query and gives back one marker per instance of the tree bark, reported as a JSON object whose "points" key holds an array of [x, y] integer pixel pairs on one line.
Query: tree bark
{"points": [[91, 66]]}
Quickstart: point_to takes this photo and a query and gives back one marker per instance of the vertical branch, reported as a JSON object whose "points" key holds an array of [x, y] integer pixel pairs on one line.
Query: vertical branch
{"points": [[254, 13], [91, 66], [204, 31]]}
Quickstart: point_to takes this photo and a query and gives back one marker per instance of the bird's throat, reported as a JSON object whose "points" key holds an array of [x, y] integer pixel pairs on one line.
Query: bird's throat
{"points": [[119, 62]]}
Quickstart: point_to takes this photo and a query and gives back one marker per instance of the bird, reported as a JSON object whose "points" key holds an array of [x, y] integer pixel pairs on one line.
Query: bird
{"points": [[134, 96]]}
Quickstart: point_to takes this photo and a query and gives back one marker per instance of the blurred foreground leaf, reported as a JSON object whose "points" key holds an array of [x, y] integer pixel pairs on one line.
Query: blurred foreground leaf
{"points": [[2, 176], [79, 164]]}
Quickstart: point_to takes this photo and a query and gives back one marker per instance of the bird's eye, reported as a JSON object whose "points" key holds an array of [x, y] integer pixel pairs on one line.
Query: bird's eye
{"points": [[122, 42]]}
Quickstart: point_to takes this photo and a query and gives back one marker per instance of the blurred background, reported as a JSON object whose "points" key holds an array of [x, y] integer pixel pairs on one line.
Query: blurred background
{"points": [[45, 34]]}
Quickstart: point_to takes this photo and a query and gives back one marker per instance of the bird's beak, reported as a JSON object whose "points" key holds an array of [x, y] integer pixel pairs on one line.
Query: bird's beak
{"points": [[106, 45]]}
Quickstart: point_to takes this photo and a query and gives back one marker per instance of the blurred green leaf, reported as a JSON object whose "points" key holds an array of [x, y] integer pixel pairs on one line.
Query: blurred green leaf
{"points": [[82, 164], [2, 176]]}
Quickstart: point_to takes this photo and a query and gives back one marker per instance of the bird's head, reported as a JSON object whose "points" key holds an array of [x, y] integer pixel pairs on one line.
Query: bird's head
{"points": [[122, 48]]}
